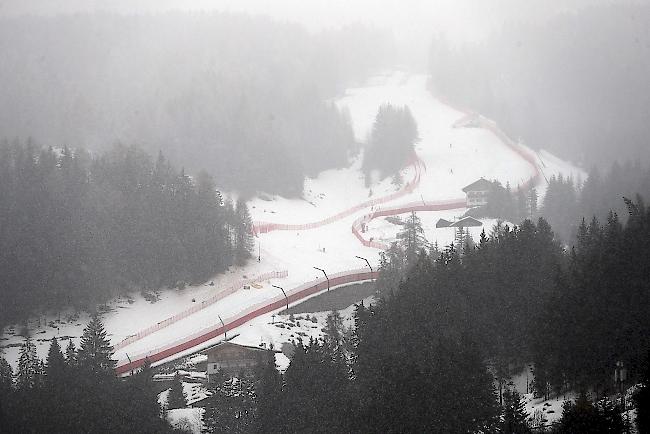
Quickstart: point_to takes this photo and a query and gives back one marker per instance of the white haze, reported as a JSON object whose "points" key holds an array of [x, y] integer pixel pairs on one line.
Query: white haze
{"points": [[412, 22]]}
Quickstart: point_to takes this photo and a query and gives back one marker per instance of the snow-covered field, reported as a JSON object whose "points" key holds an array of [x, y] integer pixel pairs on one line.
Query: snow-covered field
{"points": [[454, 157]]}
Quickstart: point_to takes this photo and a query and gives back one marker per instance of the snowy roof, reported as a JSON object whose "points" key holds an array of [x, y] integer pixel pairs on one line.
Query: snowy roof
{"points": [[466, 222], [480, 185], [232, 344]]}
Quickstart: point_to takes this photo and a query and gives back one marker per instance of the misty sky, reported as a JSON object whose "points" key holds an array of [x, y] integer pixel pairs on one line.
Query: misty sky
{"points": [[411, 20]]}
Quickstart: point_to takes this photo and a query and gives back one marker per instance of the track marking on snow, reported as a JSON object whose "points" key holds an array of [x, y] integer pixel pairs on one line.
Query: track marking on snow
{"points": [[204, 337]]}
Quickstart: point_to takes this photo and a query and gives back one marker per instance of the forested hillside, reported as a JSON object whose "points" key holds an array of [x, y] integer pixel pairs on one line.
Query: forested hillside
{"points": [[575, 84], [76, 228], [241, 97], [436, 353]]}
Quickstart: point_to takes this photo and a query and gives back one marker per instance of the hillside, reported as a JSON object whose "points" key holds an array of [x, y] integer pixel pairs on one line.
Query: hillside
{"points": [[449, 158]]}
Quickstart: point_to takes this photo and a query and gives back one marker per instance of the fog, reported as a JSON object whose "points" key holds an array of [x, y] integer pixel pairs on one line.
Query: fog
{"points": [[450, 194]]}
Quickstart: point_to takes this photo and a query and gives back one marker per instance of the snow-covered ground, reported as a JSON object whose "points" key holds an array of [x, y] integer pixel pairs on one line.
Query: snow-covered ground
{"points": [[454, 157]]}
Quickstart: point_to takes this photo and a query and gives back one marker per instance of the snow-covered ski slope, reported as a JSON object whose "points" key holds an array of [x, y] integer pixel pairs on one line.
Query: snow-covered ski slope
{"points": [[451, 158]]}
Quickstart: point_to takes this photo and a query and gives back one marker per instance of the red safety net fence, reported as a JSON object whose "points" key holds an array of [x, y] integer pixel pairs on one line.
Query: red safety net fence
{"points": [[196, 340], [415, 162], [362, 222], [199, 306]]}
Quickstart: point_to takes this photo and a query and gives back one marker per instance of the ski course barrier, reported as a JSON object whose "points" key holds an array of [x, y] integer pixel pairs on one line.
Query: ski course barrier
{"points": [[240, 318], [200, 306], [415, 162], [442, 205]]}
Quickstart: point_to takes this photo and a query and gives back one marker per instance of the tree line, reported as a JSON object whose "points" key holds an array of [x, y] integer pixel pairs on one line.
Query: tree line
{"points": [[573, 84], [76, 390], [568, 200], [79, 228], [437, 351], [390, 144], [244, 98]]}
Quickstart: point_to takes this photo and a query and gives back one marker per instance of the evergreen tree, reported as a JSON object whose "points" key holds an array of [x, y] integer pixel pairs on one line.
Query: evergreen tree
{"points": [[71, 354], [176, 397], [6, 377], [95, 351], [232, 407], [532, 203], [244, 233], [514, 419], [412, 240], [27, 375], [268, 391], [141, 405], [585, 417], [56, 366], [391, 142]]}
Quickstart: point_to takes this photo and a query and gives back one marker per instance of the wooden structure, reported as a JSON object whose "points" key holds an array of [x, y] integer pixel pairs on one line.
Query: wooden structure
{"points": [[477, 193], [231, 359]]}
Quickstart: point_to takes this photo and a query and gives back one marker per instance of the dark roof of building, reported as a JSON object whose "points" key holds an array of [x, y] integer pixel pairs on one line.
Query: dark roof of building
{"points": [[228, 343], [480, 185], [442, 223], [466, 222]]}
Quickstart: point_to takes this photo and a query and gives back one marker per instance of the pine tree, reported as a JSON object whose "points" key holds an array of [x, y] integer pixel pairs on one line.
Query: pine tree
{"points": [[95, 351], [514, 419], [333, 330], [71, 354], [176, 397], [243, 233], [28, 366], [412, 239], [6, 377], [232, 408], [532, 203], [142, 405], [268, 391], [55, 371]]}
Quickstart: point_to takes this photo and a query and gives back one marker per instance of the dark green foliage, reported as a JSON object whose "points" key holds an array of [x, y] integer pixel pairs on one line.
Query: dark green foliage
{"points": [[176, 397], [642, 399], [80, 397], [514, 418], [95, 351], [411, 239], [416, 368], [77, 229], [29, 369], [231, 407], [268, 389], [582, 416], [71, 354], [254, 116], [316, 403], [391, 141], [244, 241], [600, 306], [56, 365]]}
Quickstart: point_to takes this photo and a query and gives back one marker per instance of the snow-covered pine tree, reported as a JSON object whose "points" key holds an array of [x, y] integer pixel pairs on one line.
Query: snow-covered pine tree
{"points": [[514, 417], [412, 238], [28, 366], [244, 241], [71, 354]]}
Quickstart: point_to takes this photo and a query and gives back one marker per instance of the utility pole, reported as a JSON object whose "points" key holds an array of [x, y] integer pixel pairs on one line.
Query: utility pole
{"points": [[225, 337], [283, 293], [367, 262], [328, 279]]}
